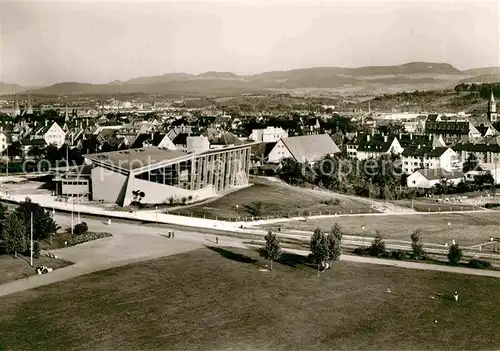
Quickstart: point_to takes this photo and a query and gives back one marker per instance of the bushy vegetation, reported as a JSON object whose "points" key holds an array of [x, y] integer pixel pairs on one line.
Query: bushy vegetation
{"points": [[377, 248], [272, 250], [454, 254], [81, 228], [89, 236], [479, 264]]}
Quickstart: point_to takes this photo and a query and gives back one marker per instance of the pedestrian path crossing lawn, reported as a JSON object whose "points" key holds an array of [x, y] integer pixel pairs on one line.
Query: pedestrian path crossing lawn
{"points": [[223, 299]]}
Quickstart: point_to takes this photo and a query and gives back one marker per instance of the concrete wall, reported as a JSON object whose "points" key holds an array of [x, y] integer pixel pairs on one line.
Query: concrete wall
{"points": [[75, 189], [107, 185], [157, 193]]}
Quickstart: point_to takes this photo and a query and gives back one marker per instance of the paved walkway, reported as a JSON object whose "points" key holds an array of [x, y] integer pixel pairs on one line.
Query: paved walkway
{"points": [[133, 242]]}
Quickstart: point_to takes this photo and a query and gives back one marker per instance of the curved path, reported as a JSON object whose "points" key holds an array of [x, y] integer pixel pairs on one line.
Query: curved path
{"points": [[135, 242]]}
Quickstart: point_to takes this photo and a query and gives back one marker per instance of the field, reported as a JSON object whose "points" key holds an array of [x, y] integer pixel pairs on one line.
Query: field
{"points": [[466, 228], [277, 199], [429, 206], [214, 299], [17, 268]]}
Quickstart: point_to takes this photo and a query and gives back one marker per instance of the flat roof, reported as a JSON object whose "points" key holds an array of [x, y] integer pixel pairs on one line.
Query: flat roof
{"points": [[136, 158]]}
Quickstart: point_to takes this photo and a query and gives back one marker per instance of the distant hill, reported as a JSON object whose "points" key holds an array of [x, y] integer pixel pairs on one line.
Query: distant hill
{"points": [[7, 89], [482, 71], [219, 75], [408, 76], [483, 78]]}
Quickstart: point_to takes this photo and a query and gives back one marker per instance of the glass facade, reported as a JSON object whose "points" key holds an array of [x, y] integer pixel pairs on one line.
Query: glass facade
{"points": [[221, 169]]}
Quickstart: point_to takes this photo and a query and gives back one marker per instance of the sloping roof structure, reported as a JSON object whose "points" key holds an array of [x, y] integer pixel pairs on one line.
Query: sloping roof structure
{"points": [[425, 151], [310, 148], [448, 128], [438, 173]]}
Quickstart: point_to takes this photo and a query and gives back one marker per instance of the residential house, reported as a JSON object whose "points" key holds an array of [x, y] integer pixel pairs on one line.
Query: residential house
{"points": [[160, 140], [53, 135], [484, 152], [373, 146], [452, 130], [305, 148], [268, 135], [428, 178], [413, 159], [4, 142]]}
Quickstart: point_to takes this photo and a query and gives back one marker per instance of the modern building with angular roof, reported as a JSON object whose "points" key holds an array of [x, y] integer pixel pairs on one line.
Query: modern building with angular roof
{"points": [[161, 174]]}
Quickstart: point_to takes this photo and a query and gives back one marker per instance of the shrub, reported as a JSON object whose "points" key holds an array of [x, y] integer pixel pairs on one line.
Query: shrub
{"points": [[416, 245], [479, 264], [36, 249], [171, 200], [89, 236], [377, 248], [359, 251], [183, 200], [454, 254], [190, 198], [81, 228], [398, 254], [492, 205]]}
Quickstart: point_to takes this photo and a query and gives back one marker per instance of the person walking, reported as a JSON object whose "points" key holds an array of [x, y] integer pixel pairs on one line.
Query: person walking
{"points": [[173, 235], [216, 240], [455, 295], [109, 221]]}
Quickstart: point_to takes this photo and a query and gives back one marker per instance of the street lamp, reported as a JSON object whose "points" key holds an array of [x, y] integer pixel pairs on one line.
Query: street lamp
{"points": [[156, 214], [449, 226], [491, 239], [363, 237], [72, 218]]}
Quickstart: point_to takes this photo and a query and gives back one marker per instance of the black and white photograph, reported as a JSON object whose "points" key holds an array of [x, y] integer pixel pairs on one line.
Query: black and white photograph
{"points": [[249, 175]]}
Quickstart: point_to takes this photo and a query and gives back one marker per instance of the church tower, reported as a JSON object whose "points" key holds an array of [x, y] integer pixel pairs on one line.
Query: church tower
{"points": [[492, 109], [29, 108], [17, 109]]}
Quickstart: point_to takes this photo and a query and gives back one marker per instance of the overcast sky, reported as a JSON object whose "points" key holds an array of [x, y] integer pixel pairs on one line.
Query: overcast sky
{"points": [[44, 43]]}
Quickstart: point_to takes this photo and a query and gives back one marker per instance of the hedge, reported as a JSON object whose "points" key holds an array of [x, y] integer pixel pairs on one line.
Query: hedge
{"points": [[89, 236]]}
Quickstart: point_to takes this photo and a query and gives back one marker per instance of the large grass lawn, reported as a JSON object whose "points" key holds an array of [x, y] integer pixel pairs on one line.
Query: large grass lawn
{"points": [[466, 228], [214, 299], [18, 268], [277, 199]]}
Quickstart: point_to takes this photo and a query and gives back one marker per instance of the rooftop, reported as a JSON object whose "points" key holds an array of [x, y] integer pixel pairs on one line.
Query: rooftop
{"points": [[136, 158]]}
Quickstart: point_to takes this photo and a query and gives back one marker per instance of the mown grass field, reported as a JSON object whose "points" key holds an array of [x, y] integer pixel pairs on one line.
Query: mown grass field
{"points": [[277, 199], [217, 299], [466, 228], [18, 268]]}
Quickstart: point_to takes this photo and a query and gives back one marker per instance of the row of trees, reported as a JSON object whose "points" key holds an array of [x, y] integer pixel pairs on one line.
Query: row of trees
{"points": [[324, 247], [16, 226], [378, 178]]}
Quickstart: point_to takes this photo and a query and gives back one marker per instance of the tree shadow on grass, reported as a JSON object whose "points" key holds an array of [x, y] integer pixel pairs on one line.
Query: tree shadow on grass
{"points": [[448, 297], [293, 260], [231, 255]]}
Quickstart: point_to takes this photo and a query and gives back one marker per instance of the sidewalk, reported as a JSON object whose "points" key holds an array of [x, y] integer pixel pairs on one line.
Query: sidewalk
{"points": [[49, 202]]}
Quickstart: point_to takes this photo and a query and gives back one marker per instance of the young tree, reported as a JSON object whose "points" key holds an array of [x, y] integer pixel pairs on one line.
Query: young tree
{"points": [[416, 245], [378, 246], [454, 254], [43, 224], [333, 242], [272, 250], [319, 248], [14, 234]]}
